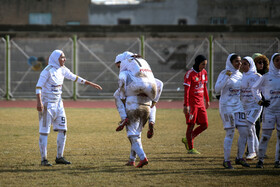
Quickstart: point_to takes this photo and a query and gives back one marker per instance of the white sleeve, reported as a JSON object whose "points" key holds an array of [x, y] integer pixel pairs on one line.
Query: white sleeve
{"points": [[221, 82], [44, 76], [256, 89], [71, 76]]}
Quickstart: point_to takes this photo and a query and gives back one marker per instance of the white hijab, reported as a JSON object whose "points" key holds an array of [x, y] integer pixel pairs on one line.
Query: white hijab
{"points": [[272, 69], [53, 60], [253, 68], [229, 65]]}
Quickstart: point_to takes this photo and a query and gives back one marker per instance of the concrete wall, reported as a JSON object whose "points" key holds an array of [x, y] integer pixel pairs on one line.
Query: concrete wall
{"points": [[16, 12], [165, 12]]}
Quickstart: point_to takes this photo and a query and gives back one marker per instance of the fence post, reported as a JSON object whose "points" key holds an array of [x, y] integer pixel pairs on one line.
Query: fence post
{"points": [[75, 66], [142, 38], [211, 74], [8, 67]]}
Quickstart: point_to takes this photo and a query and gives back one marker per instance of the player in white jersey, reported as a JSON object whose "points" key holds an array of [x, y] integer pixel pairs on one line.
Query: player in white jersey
{"points": [[252, 109], [50, 105], [269, 86], [231, 110], [136, 74]]}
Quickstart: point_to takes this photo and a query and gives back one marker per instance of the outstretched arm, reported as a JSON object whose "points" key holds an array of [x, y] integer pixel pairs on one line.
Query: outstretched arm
{"points": [[93, 85]]}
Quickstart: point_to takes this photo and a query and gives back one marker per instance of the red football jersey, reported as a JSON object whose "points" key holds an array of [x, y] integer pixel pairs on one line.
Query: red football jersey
{"points": [[195, 88]]}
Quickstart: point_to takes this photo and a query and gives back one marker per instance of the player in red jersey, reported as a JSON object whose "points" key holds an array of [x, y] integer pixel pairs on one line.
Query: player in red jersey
{"points": [[195, 82]]}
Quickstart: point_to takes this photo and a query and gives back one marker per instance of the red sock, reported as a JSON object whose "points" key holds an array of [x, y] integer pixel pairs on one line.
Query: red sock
{"points": [[199, 129], [189, 133]]}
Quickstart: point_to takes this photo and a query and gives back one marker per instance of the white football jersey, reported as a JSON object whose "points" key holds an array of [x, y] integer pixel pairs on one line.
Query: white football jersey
{"points": [[51, 81]]}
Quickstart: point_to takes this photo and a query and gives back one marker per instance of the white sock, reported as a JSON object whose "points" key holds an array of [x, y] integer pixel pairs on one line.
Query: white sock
{"points": [[137, 147], [132, 156], [152, 117], [243, 134], [61, 139], [120, 105], [251, 137], [277, 155], [256, 140], [228, 143], [266, 134], [43, 142]]}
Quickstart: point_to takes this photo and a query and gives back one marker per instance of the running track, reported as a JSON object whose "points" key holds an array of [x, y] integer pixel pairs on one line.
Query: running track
{"points": [[167, 104]]}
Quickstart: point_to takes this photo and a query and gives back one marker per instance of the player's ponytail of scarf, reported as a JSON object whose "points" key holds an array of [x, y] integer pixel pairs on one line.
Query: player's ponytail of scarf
{"points": [[272, 69], [53, 60], [198, 60]]}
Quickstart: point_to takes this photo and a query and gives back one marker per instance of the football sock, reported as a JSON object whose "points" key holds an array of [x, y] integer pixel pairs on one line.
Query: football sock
{"points": [[243, 134], [228, 143], [250, 139], [256, 140], [137, 147], [120, 106], [189, 135], [277, 155], [266, 134], [152, 117], [133, 155], [43, 142], [202, 127], [61, 139]]}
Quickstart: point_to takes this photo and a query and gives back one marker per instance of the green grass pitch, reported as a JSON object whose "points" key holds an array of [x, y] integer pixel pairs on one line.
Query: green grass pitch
{"points": [[98, 153]]}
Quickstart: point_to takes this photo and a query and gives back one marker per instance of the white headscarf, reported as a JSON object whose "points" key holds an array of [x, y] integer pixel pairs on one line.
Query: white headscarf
{"points": [[229, 65], [272, 69], [252, 68], [123, 56], [53, 60]]}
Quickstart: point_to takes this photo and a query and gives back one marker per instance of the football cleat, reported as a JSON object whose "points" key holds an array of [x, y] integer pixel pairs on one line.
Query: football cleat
{"points": [[122, 124], [150, 132], [241, 161], [227, 165], [130, 163], [251, 156], [142, 163], [62, 160], [185, 141], [45, 163], [277, 164], [259, 164], [193, 151]]}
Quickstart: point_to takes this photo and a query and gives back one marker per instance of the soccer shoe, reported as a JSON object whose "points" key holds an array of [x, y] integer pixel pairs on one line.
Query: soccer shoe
{"points": [[251, 156], [142, 163], [277, 164], [185, 141], [227, 165], [130, 163], [122, 124], [62, 160], [45, 163], [259, 164], [150, 132], [193, 151], [241, 161]]}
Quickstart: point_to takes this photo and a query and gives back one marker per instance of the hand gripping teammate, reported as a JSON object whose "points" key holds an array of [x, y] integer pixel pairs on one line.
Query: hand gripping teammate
{"points": [[50, 105], [195, 81], [269, 86], [228, 85], [133, 68], [252, 109]]}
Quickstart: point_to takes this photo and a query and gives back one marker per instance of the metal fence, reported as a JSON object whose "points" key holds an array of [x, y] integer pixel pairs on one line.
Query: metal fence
{"points": [[93, 59]]}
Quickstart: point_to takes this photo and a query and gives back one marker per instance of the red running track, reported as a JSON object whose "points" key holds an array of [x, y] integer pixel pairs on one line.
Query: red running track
{"points": [[167, 104]]}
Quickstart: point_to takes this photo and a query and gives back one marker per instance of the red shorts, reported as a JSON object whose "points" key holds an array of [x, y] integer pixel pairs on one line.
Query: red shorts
{"points": [[197, 115]]}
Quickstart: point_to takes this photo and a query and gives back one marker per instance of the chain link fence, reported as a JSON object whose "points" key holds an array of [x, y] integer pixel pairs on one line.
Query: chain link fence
{"points": [[93, 59]]}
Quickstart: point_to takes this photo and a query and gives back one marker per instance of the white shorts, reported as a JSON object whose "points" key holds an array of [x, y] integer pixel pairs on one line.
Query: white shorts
{"points": [[270, 119], [53, 114], [231, 120], [253, 115]]}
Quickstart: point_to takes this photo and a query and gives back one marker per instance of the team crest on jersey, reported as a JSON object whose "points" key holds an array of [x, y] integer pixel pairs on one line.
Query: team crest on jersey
{"points": [[196, 79]]}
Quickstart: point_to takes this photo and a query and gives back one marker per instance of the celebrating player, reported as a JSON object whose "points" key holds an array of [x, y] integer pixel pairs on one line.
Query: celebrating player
{"points": [[194, 107], [252, 109], [269, 86], [231, 110], [50, 105]]}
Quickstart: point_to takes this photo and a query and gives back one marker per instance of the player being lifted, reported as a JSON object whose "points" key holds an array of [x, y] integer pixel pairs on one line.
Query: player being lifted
{"points": [[141, 74], [133, 102], [50, 105], [269, 86]]}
